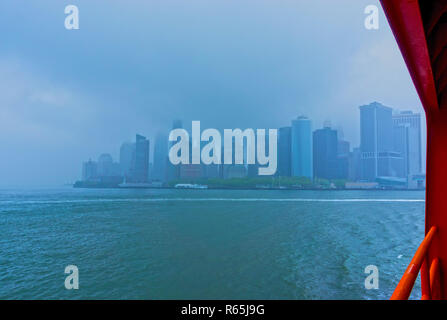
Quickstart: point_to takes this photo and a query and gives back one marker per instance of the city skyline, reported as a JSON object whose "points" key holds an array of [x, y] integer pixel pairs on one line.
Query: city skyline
{"points": [[390, 152]]}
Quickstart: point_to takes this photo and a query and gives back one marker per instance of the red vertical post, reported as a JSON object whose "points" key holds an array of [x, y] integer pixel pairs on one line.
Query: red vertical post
{"points": [[425, 280], [436, 191], [435, 284]]}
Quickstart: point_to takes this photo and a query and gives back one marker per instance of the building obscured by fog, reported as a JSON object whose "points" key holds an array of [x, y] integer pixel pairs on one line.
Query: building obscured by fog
{"points": [[89, 170], [330, 155], [302, 147], [390, 144], [140, 163], [160, 158], [127, 151], [378, 157], [407, 140]]}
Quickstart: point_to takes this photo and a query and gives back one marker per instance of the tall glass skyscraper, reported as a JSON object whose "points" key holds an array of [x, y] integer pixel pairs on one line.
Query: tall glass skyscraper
{"points": [[173, 171], [378, 156], [302, 147], [89, 170], [325, 153], [160, 158], [127, 154], [407, 140], [140, 172]]}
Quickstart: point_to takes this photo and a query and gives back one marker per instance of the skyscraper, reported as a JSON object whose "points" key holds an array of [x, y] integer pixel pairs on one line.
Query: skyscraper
{"points": [[302, 147], [325, 153], [89, 170], [285, 152], [140, 170], [344, 147], [105, 165], [344, 160], [378, 157], [160, 158], [127, 151], [173, 171], [354, 165], [407, 140]]}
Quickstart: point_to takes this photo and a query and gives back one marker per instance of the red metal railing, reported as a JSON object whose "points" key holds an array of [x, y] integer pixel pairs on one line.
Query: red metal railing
{"points": [[403, 289]]}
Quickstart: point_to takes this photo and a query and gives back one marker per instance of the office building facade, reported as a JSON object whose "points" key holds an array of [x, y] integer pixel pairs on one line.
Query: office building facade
{"points": [[378, 157], [140, 170], [407, 141], [325, 153], [301, 140]]}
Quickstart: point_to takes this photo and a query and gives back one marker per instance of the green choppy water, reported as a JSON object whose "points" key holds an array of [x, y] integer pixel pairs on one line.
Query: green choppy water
{"points": [[206, 244]]}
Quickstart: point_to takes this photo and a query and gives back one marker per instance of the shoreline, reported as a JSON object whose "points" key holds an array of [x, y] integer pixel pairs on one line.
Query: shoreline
{"points": [[247, 188]]}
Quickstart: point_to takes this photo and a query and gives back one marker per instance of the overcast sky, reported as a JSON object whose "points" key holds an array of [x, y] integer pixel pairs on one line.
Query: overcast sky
{"points": [[134, 66]]}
